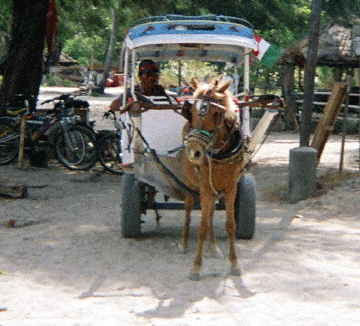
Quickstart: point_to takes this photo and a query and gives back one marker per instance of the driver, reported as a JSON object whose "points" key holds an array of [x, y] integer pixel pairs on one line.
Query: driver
{"points": [[149, 84], [149, 79]]}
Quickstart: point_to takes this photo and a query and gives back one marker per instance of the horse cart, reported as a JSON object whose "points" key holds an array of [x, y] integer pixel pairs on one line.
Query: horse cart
{"points": [[152, 142]]}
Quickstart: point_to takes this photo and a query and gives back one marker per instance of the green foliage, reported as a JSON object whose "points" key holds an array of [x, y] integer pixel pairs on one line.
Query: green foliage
{"points": [[5, 25], [85, 49], [278, 15], [266, 79], [54, 80], [279, 21], [342, 11], [203, 71], [84, 26], [325, 77]]}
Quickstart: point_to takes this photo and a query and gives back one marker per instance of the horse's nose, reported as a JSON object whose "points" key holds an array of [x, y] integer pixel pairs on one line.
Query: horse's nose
{"points": [[195, 153]]}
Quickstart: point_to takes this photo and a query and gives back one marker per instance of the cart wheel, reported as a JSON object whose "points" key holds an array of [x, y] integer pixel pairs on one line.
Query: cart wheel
{"points": [[245, 207], [131, 207]]}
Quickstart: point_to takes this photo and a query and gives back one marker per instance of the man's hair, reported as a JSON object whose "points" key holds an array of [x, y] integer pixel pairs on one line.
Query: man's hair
{"points": [[147, 65]]}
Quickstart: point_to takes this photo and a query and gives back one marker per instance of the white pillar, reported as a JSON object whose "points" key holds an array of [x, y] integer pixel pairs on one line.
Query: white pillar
{"points": [[245, 127]]}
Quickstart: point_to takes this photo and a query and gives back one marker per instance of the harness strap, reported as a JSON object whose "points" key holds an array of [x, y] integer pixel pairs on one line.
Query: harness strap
{"points": [[165, 168], [210, 176]]}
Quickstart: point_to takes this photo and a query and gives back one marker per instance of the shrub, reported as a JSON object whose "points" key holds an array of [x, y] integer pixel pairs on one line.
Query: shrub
{"points": [[54, 80]]}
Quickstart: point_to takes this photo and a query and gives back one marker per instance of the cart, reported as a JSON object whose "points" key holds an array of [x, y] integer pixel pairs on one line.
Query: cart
{"points": [[152, 139]]}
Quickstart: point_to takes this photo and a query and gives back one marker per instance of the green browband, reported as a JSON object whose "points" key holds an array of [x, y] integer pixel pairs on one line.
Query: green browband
{"points": [[203, 132]]}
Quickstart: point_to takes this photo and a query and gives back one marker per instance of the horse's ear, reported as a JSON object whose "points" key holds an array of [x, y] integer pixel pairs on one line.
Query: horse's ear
{"points": [[195, 83], [224, 87], [186, 111], [216, 81]]}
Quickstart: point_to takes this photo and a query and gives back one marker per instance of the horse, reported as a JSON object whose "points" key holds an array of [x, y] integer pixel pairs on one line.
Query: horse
{"points": [[212, 162]]}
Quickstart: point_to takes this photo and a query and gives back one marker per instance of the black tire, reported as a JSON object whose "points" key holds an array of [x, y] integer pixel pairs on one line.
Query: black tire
{"points": [[82, 155], [130, 207], [245, 208], [9, 143], [109, 153], [102, 133]]}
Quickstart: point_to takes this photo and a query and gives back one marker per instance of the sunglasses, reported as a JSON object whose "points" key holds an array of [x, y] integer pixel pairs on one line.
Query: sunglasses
{"points": [[150, 73]]}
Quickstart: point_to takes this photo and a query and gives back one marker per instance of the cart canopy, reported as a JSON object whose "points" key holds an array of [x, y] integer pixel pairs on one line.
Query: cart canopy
{"points": [[205, 38]]}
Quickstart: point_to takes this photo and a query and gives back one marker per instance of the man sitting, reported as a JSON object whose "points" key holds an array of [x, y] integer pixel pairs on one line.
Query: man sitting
{"points": [[149, 78]]}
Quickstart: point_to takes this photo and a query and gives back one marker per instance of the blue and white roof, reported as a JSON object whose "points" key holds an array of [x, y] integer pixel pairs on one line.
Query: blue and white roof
{"points": [[205, 38]]}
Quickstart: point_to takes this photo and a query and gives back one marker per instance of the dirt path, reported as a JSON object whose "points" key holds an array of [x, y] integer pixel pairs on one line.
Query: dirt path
{"points": [[65, 263]]}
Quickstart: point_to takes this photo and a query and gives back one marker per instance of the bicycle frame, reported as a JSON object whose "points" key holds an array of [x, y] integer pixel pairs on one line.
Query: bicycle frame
{"points": [[36, 135], [45, 129]]}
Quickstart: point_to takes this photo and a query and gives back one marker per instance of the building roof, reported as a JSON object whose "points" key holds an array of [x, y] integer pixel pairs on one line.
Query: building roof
{"points": [[337, 48]]}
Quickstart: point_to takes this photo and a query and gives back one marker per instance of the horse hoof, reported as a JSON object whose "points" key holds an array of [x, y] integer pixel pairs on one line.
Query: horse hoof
{"points": [[235, 272], [194, 277]]}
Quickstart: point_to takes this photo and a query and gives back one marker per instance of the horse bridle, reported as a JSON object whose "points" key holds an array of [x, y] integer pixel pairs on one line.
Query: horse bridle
{"points": [[205, 138]]}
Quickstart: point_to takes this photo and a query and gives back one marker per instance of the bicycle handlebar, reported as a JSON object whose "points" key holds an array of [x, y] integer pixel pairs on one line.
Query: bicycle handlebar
{"points": [[107, 114], [65, 97]]}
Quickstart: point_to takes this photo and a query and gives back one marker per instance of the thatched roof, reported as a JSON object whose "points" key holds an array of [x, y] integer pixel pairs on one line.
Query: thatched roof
{"points": [[336, 48], [66, 60]]}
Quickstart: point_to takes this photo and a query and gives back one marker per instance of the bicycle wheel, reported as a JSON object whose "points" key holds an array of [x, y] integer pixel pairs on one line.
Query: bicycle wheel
{"points": [[9, 143], [76, 148], [109, 153]]}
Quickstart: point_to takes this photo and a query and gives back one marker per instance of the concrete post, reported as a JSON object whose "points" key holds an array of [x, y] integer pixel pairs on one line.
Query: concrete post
{"points": [[302, 173]]}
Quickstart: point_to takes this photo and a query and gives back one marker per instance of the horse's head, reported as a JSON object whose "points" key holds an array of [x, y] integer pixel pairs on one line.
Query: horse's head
{"points": [[211, 119]]}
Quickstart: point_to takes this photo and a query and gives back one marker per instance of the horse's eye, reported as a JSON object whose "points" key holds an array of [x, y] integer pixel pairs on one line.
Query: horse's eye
{"points": [[204, 108]]}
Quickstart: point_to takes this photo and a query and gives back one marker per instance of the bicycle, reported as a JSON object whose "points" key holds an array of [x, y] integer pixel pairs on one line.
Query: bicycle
{"points": [[109, 145], [74, 144]]}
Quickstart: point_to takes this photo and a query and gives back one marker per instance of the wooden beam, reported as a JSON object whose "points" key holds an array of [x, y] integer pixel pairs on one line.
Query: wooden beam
{"points": [[327, 121], [261, 128]]}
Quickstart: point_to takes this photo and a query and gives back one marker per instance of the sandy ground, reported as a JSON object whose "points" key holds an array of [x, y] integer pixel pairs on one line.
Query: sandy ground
{"points": [[65, 262]]}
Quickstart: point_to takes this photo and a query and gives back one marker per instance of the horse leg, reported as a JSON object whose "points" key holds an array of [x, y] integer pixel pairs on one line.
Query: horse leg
{"points": [[184, 243], [207, 206], [213, 246], [230, 230]]}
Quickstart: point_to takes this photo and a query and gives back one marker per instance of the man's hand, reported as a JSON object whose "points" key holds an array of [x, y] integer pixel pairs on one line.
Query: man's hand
{"points": [[115, 105]]}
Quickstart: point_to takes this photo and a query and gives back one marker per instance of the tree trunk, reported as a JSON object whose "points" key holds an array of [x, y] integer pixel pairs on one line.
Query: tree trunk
{"points": [[23, 68], [288, 86], [311, 62], [108, 61]]}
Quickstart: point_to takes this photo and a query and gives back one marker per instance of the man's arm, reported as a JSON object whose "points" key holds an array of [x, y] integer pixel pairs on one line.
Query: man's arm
{"points": [[116, 104]]}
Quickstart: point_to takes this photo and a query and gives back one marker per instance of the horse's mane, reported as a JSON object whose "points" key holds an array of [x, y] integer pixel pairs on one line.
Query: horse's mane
{"points": [[232, 108]]}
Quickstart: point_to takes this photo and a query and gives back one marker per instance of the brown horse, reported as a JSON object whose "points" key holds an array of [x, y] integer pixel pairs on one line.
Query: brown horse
{"points": [[212, 164]]}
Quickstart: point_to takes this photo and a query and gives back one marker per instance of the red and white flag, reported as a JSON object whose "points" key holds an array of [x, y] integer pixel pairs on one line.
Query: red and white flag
{"points": [[266, 53]]}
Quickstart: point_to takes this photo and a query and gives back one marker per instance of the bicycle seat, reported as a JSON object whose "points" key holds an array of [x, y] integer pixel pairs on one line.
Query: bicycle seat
{"points": [[18, 105], [76, 104]]}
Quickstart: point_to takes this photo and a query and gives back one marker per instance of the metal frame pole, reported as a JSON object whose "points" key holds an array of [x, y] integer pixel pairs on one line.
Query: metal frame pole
{"points": [[245, 126]]}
